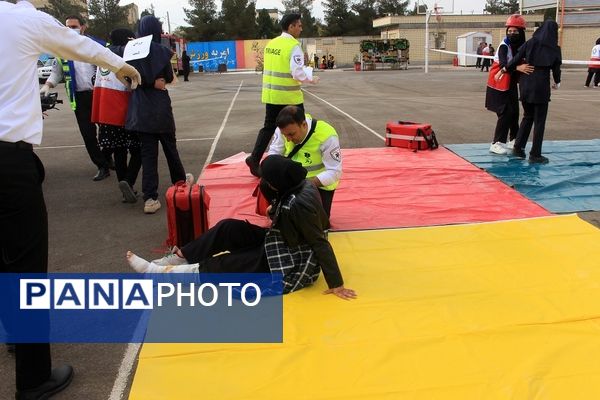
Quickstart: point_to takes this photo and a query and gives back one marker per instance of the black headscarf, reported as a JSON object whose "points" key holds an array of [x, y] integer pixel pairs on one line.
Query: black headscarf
{"points": [[120, 37], [150, 25], [159, 57], [280, 177], [542, 49]]}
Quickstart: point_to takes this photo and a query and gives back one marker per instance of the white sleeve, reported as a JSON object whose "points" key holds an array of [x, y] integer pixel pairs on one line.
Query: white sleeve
{"points": [[56, 74], [68, 44], [299, 71], [277, 144], [331, 157]]}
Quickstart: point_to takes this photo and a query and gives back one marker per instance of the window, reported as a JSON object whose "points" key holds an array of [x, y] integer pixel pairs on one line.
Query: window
{"points": [[437, 40]]}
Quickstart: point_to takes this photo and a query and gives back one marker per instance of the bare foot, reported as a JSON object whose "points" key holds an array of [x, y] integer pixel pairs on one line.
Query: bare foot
{"points": [[137, 263]]}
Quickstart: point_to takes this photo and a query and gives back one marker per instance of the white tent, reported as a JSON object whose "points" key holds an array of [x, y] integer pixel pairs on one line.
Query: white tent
{"points": [[467, 44]]}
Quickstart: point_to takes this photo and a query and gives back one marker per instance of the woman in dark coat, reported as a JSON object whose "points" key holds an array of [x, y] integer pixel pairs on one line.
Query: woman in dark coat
{"points": [[151, 116], [501, 98], [541, 52], [295, 245], [185, 61]]}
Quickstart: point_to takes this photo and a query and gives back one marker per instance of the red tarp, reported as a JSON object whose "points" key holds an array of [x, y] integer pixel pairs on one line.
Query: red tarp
{"points": [[385, 188]]}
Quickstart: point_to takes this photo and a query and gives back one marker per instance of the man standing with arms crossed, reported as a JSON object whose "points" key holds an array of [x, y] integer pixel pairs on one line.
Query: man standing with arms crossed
{"points": [[23, 218], [80, 85], [283, 73]]}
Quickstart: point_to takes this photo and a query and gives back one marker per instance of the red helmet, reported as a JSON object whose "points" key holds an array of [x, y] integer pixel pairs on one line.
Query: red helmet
{"points": [[517, 21]]}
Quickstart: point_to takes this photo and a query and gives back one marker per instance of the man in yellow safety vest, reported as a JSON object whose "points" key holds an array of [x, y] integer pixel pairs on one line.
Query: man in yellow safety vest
{"points": [[314, 144], [283, 73]]}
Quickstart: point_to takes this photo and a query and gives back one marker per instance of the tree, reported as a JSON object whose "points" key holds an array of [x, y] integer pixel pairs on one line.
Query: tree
{"points": [[511, 6], [238, 19], [494, 7], [394, 7], [148, 11], [203, 21], [337, 15], [61, 9], [265, 27], [304, 7], [362, 21], [106, 15]]}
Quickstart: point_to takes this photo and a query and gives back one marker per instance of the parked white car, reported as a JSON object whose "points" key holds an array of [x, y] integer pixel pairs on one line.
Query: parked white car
{"points": [[45, 71]]}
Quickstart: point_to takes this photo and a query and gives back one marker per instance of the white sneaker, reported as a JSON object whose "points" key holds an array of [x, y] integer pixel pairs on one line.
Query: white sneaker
{"points": [[151, 206], [497, 148], [170, 259], [510, 145], [189, 178]]}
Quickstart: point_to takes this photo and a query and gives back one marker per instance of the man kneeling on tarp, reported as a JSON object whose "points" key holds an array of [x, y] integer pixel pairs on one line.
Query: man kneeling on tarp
{"points": [[297, 233]]}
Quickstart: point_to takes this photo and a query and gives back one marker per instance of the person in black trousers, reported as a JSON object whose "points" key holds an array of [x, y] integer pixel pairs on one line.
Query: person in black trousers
{"points": [[541, 52], [185, 64], [503, 98], [594, 68], [23, 214], [151, 116]]}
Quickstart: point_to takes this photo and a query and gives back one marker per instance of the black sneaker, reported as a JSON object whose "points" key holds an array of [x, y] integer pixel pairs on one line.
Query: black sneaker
{"points": [[102, 173], [129, 195], [519, 153], [254, 166], [538, 159]]}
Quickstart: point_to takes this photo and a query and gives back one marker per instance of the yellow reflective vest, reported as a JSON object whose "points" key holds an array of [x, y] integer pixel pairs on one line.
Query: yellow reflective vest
{"points": [[278, 85], [69, 84], [310, 154]]}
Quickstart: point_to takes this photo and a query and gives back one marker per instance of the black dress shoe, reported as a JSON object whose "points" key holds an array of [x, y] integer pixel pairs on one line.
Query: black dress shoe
{"points": [[59, 379], [519, 153], [254, 166], [538, 159], [101, 174]]}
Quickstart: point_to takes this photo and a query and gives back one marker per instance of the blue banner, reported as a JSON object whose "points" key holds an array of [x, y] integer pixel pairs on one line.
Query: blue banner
{"points": [[211, 54], [135, 308]]}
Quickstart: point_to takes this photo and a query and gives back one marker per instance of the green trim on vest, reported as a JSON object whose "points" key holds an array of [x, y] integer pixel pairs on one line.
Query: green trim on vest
{"points": [[278, 85], [64, 64], [310, 154]]}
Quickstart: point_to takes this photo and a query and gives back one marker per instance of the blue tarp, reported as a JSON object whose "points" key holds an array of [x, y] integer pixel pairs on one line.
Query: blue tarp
{"points": [[570, 182]]}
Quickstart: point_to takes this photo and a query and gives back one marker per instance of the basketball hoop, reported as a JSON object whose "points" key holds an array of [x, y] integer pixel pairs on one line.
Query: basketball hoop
{"points": [[436, 11]]}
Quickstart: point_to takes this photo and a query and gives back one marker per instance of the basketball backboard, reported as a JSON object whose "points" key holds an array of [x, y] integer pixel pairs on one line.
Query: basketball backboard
{"points": [[441, 6]]}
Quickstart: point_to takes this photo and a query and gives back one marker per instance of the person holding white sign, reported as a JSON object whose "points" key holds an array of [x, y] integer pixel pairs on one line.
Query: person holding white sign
{"points": [[150, 113], [27, 33]]}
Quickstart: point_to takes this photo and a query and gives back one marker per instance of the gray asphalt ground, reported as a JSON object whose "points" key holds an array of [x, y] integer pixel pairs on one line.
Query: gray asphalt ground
{"points": [[90, 229]]}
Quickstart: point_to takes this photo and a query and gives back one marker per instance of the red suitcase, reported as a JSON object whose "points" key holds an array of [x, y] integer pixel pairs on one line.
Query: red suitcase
{"points": [[410, 135], [187, 213]]}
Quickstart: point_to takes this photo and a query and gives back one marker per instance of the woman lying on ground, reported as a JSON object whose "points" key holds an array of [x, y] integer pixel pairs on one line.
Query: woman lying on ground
{"points": [[295, 245]]}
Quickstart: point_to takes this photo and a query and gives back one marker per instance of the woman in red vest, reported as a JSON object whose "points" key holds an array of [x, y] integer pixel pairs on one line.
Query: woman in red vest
{"points": [[502, 95]]}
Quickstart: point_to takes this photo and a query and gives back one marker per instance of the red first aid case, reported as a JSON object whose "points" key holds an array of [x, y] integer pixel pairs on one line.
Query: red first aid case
{"points": [[187, 213], [410, 135]]}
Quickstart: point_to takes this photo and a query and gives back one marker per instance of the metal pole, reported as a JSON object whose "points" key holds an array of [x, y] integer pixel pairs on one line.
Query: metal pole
{"points": [[427, 41], [168, 22], [562, 21]]}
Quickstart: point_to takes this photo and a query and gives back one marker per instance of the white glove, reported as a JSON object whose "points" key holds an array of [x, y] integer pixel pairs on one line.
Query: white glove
{"points": [[127, 71], [45, 90]]}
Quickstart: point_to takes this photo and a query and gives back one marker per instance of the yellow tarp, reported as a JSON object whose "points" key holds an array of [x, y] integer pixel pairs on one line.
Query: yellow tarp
{"points": [[506, 310]]}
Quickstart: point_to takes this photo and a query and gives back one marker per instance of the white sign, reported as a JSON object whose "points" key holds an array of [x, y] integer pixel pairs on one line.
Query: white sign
{"points": [[138, 48]]}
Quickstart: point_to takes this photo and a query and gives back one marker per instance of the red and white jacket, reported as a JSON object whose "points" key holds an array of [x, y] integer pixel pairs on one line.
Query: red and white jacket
{"points": [[111, 99]]}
